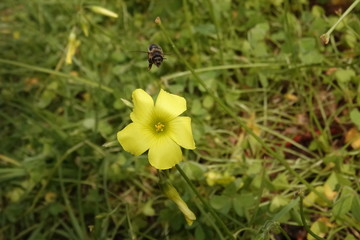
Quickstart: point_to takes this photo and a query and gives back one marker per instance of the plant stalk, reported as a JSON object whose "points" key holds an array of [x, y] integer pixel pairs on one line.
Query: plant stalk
{"points": [[204, 202]]}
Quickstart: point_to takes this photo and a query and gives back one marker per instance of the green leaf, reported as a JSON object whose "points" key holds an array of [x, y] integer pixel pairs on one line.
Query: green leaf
{"points": [[280, 182], [221, 203], [259, 49], [197, 108], [277, 202], [332, 180], [355, 207], [344, 75], [148, 210], [208, 102], [89, 123], [349, 236], [355, 117], [15, 194], [315, 145], [199, 233], [242, 202], [105, 128], [263, 80], [351, 39], [312, 57], [258, 33], [254, 168], [36, 168], [232, 188], [193, 170], [334, 157], [319, 228], [343, 204], [55, 208], [12, 212], [206, 29], [285, 210], [48, 95], [307, 45], [343, 181]]}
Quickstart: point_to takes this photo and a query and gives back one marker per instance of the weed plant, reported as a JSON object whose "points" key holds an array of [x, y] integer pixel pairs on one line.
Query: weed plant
{"points": [[275, 117]]}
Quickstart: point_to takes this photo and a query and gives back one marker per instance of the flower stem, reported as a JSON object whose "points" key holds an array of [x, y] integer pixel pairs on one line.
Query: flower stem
{"points": [[284, 233], [242, 124], [217, 29], [303, 219], [204, 202], [326, 37]]}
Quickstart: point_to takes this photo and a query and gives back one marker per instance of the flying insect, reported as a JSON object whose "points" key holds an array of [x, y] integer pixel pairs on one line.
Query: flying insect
{"points": [[155, 55]]}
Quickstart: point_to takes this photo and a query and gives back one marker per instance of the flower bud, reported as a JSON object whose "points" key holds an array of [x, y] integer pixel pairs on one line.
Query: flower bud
{"points": [[173, 195], [103, 11], [158, 20], [73, 43]]}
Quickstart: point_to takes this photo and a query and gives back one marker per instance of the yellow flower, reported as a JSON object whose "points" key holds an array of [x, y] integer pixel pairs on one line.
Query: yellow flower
{"points": [[213, 178], [157, 128]]}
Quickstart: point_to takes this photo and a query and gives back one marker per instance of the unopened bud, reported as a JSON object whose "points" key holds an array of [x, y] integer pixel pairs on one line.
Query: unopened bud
{"points": [[84, 26], [73, 43], [103, 11], [325, 38], [173, 195], [158, 20]]}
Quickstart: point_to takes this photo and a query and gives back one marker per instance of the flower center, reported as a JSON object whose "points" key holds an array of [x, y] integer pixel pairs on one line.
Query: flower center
{"points": [[159, 127]]}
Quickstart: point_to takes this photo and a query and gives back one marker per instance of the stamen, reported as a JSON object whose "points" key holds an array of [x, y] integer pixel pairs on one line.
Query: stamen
{"points": [[159, 127]]}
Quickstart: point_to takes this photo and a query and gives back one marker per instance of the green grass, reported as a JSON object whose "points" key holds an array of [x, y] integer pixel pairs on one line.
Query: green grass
{"points": [[270, 105]]}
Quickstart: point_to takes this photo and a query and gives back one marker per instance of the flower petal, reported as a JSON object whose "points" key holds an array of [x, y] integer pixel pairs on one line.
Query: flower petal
{"points": [[135, 138], [143, 107], [180, 131], [168, 106], [164, 153]]}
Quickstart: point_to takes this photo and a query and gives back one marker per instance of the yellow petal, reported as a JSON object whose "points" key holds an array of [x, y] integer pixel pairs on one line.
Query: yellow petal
{"points": [[168, 106], [291, 97], [211, 178], [135, 138], [353, 137], [143, 107], [50, 197], [329, 193], [164, 153], [180, 132]]}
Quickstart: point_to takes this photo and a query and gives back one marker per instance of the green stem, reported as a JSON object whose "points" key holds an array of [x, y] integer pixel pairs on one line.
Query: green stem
{"points": [[221, 67], [51, 173], [205, 203], [131, 230], [325, 37], [68, 77], [258, 198], [284, 233], [217, 28], [304, 221], [72, 216], [242, 124]]}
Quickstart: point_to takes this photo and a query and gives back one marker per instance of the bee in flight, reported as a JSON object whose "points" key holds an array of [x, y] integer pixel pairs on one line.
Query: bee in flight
{"points": [[155, 55]]}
